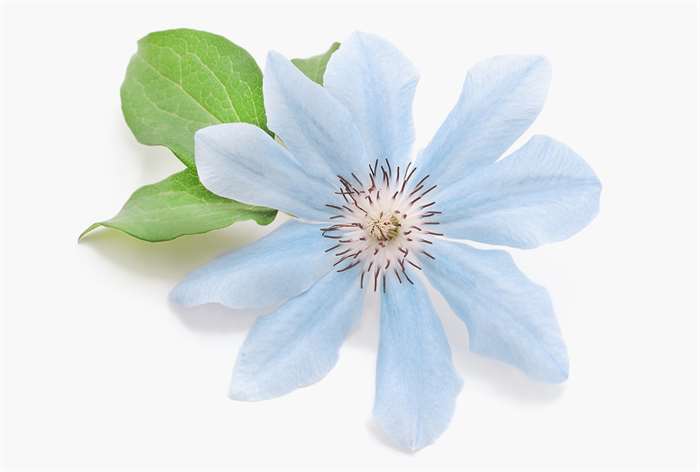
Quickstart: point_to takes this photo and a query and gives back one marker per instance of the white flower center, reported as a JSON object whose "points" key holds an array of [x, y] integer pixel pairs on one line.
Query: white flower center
{"points": [[382, 223]]}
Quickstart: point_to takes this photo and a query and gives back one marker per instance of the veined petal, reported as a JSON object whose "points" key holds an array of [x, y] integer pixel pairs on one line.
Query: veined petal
{"points": [[240, 161], [377, 84], [298, 344], [416, 381], [509, 318], [500, 98], [316, 128], [279, 266], [541, 193]]}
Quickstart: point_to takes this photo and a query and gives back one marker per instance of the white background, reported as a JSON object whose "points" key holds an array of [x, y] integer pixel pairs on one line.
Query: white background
{"points": [[101, 371]]}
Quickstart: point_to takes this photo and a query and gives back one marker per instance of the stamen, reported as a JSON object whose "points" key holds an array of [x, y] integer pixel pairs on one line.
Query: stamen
{"points": [[350, 266], [428, 191], [360, 208], [381, 234], [423, 180], [342, 259], [414, 264], [417, 189], [408, 177], [356, 179]]}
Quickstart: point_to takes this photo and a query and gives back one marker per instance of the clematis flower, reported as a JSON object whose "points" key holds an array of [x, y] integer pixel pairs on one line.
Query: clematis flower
{"points": [[369, 218]]}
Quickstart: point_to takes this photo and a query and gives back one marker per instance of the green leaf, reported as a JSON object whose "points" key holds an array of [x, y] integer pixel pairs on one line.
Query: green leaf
{"points": [[182, 80], [177, 206], [314, 67]]}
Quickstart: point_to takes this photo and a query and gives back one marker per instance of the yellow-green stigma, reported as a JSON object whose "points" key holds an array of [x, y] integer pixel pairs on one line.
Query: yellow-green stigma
{"points": [[384, 228]]}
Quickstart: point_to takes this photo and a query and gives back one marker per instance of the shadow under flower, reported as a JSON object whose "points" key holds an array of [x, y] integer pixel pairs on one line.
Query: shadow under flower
{"points": [[218, 319], [214, 319]]}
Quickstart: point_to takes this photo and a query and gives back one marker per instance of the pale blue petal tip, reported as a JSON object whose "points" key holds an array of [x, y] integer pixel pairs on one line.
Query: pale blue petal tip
{"points": [[241, 162], [416, 383], [509, 318], [261, 274], [501, 97], [376, 83], [298, 344], [317, 129], [543, 192]]}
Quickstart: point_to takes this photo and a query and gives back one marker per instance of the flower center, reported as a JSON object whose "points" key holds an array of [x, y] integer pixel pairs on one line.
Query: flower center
{"points": [[385, 228], [383, 222]]}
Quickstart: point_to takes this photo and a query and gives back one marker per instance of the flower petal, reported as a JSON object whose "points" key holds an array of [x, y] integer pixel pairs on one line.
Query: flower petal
{"points": [[416, 381], [317, 128], [298, 344], [500, 98], [509, 318], [377, 84], [541, 193], [279, 266], [241, 162]]}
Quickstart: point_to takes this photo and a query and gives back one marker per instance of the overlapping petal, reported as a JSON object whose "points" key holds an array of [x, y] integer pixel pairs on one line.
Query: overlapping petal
{"points": [[241, 162], [298, 344], [273, 269], [416, 381], [316, 128], [509, 318], [376, 82], [500, 98], [543, 192]]}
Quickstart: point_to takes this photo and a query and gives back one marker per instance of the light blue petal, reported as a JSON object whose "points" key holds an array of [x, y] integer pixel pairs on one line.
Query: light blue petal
{"points": [[316, 128], [241, 162], [298, 344], [273, 269], [500, 98], [416, 382], [541, 193], [509, 318], [377, 84]]}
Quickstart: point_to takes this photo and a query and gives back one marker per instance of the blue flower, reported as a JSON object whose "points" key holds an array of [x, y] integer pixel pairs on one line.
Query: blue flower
{"points": [[368, 218]]}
